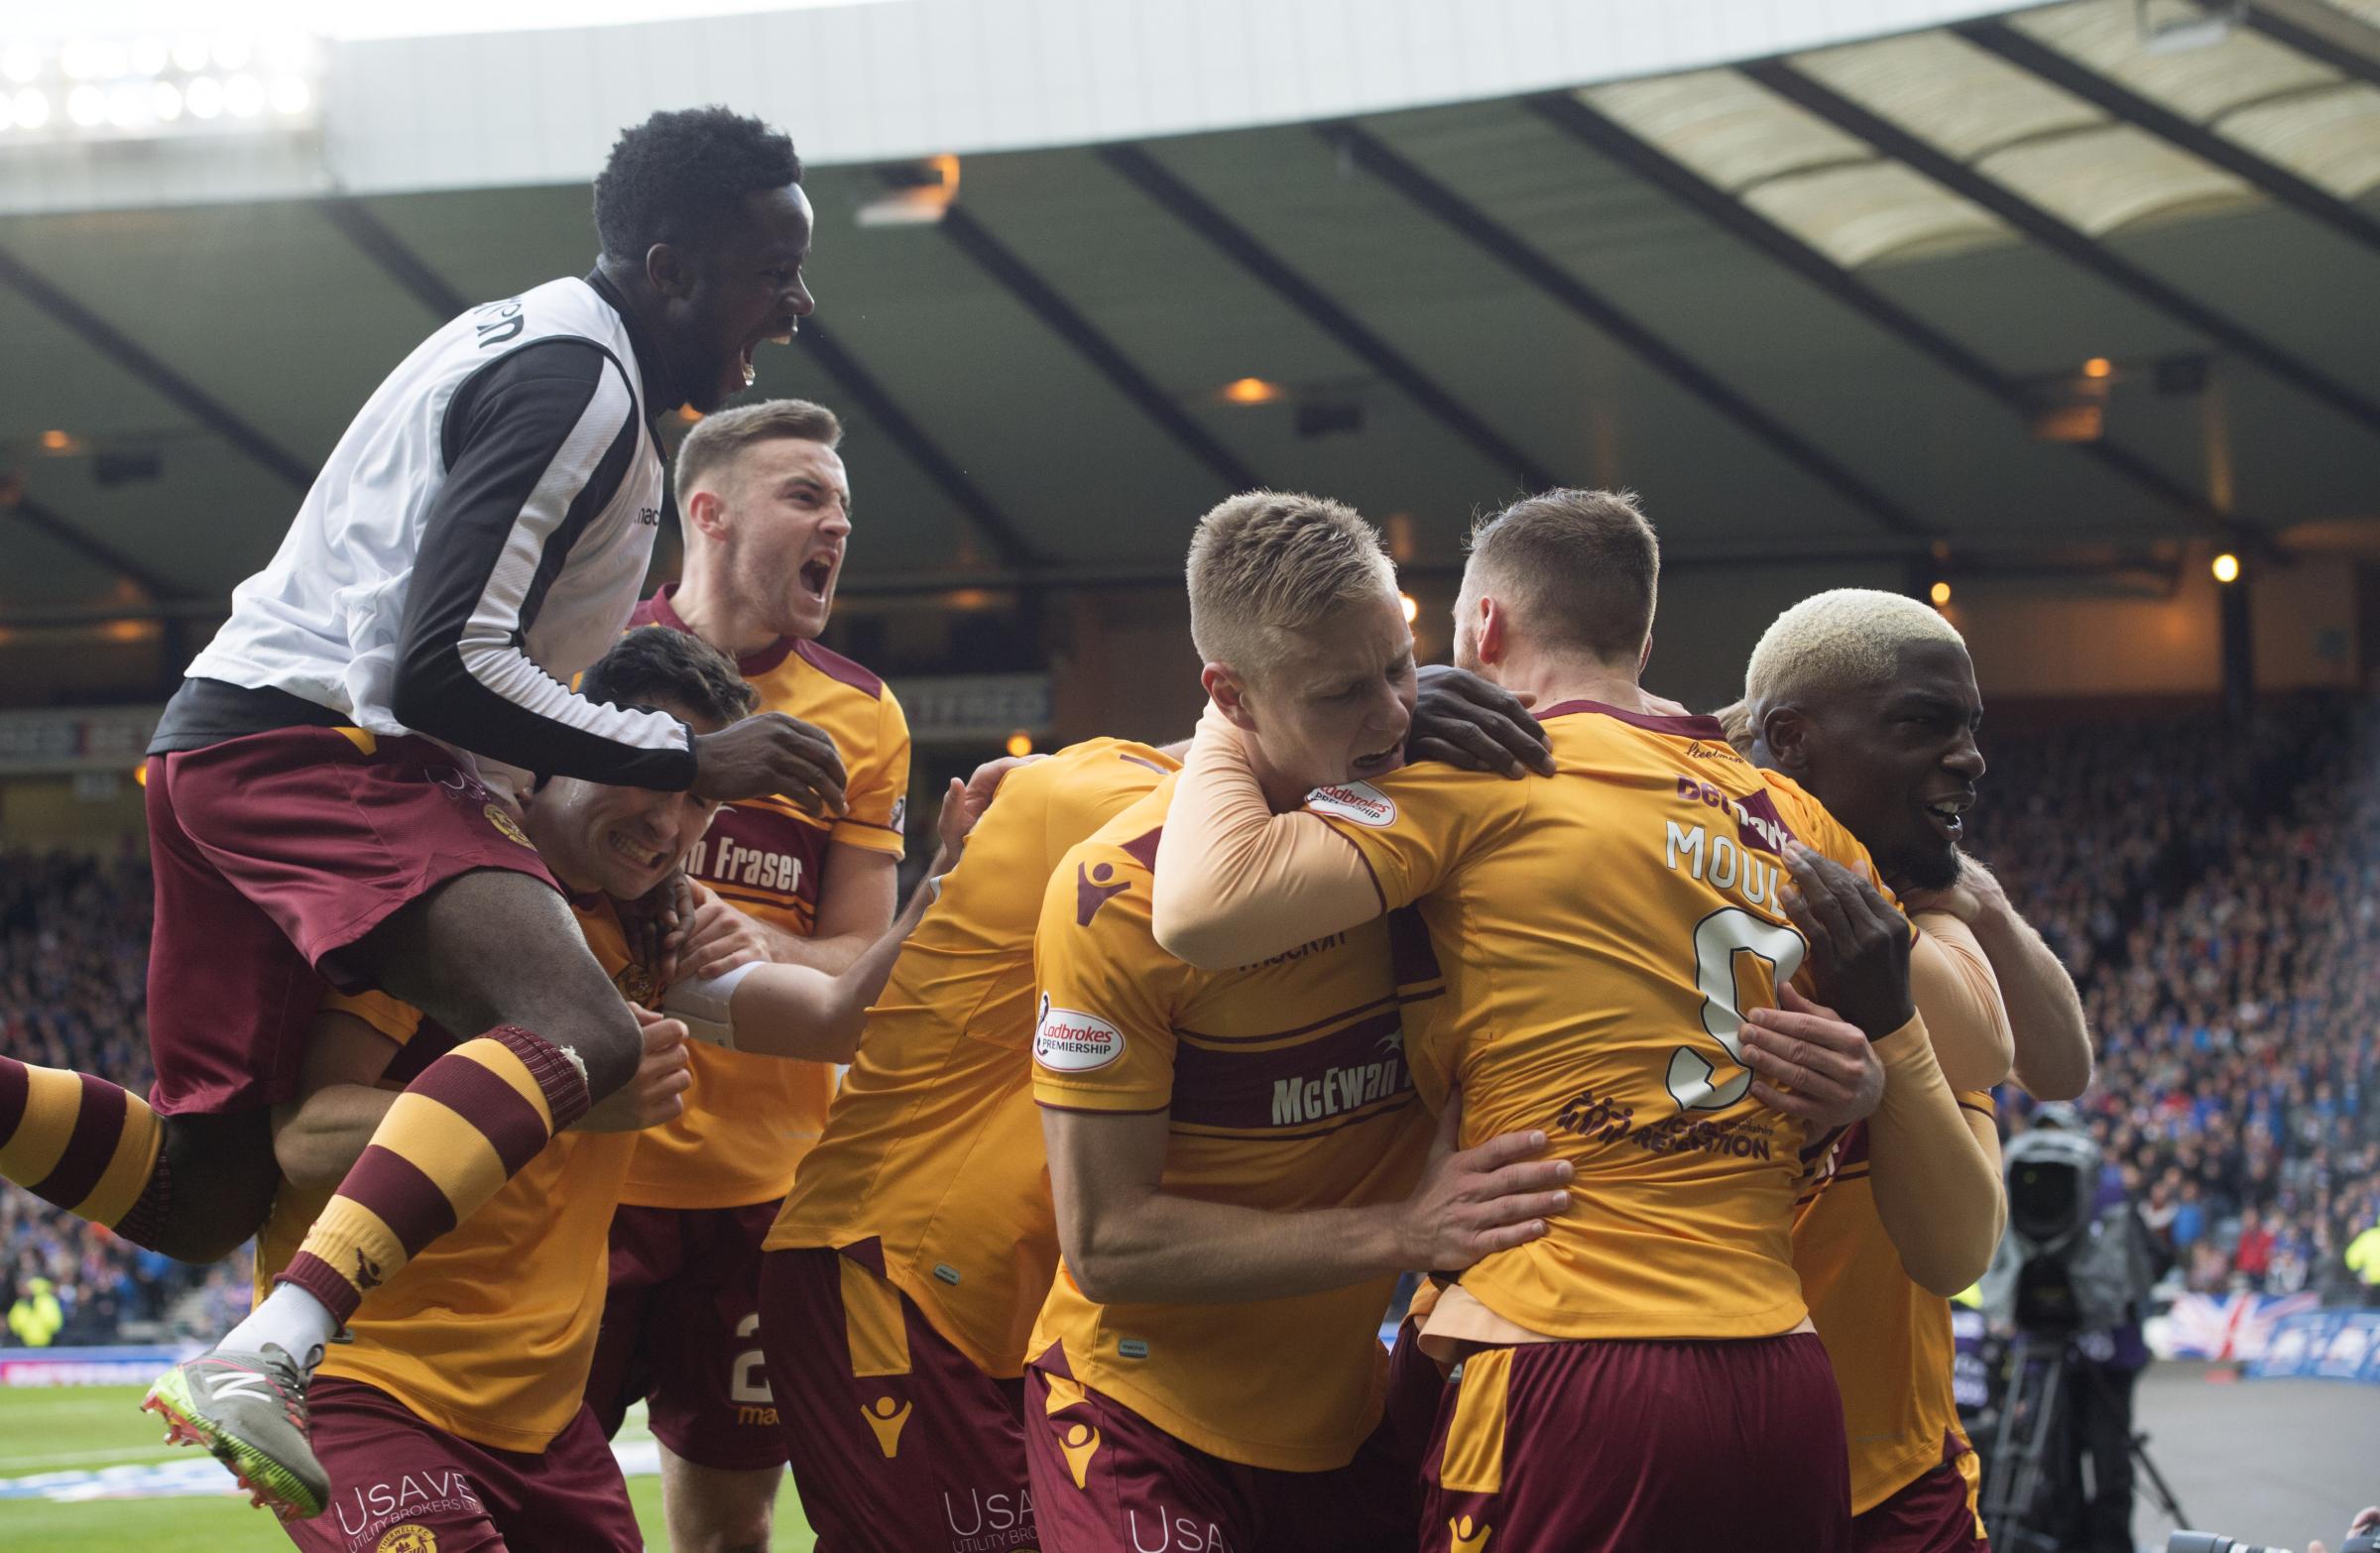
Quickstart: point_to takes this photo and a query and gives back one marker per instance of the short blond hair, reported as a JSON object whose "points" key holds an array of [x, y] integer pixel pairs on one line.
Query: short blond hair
{"points": [[1581, 571], [1265, 563], [718, 438], [1845, 639]]}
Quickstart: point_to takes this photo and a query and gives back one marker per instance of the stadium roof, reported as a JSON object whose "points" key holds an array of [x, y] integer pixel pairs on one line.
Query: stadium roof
{"points": [[2073, 283]]}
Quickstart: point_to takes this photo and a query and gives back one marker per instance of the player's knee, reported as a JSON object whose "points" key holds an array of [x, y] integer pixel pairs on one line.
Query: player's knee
{"points": [[603, 1035]]}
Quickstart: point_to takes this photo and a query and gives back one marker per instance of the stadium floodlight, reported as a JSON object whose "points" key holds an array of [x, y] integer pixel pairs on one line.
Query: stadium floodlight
{"points": [[158, 84]]}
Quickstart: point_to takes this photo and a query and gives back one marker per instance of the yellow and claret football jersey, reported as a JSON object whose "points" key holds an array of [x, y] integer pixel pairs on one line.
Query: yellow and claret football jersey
{"points": [[1600, 931], [1889, 1338], [749, 1118], [932, 1161], [1286, 1088], [488, 1332]]}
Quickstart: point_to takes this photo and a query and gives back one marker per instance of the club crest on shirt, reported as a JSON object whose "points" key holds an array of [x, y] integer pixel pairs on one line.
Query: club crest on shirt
{"points": [[506, 825], [1360, 801], [410, 1538], [636, 984], [1068, 1041]]}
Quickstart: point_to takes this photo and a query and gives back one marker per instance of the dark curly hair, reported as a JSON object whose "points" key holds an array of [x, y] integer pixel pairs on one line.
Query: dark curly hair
{"points": [[653, 663], [680, 176]]}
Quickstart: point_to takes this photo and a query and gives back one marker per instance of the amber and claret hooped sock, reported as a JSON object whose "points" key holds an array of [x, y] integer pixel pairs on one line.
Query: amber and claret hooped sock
{"points": [[458, 1133], [91, 1147]]}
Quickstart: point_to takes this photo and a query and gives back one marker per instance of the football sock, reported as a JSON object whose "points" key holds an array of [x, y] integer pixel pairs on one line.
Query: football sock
{"points": [[289, 1318], [91, 1147], [452, 1140]]}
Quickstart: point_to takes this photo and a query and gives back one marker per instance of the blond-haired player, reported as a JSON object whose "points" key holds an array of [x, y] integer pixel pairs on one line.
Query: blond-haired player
{"points": [[1238, 1159], [765, 503], [1870, 701], [1616, 939]]}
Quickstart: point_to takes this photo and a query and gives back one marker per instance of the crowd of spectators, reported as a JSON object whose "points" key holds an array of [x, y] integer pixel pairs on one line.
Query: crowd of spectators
{"points": [[2216, 894], [2218, 898], [73, 961]]}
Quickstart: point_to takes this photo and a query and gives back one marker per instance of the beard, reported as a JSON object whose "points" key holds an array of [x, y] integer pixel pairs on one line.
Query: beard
{"points": [[1927, 868]]}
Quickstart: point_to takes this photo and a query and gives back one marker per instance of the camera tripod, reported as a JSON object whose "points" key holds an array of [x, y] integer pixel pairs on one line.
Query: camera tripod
{"points": [[2033, 1448]]}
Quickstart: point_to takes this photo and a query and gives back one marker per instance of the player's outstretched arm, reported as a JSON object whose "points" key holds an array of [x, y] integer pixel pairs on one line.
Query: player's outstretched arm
{"points": [[2053, 1058], [801, 1010], [1937, 1180], [1126, 1241]]}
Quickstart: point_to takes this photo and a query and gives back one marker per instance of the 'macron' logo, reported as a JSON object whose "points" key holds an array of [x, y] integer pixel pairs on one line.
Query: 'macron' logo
{"points": [[1092, 890]]}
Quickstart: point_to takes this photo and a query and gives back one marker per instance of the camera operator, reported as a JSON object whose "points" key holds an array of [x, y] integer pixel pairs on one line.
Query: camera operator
{"points": [[2368, 1522], [2076, 1268]]}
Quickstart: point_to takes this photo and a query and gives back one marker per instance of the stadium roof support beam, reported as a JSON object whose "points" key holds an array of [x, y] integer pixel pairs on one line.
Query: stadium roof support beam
{"points": [[1064, 319], [1598, 133], [1505, 246], [111, 342], [2270, 20], [40, 516], [2069, 241], [2118, 101], [1145, 173], [397, 262], [1008, 541]]}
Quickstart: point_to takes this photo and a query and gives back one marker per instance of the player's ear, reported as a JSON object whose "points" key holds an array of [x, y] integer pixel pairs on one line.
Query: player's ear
{"points": [[667, 269], [1786, 732], [1225, 689], [707, 513], [1492, 641]]}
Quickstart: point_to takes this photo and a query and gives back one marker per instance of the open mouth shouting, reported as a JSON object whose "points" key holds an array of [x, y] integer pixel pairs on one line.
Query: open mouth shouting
{"points": [[1945, 813], [1381, 764], [782, 334], [818, 575]]}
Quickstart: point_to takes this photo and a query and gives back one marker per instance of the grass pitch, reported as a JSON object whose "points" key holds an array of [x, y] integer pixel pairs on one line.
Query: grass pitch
{"points": [[70, 1430]]}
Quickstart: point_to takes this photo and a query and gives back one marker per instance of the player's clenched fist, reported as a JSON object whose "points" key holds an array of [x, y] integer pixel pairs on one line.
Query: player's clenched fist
{"points": [[1474, 1201], [770, 752], [659, 1091]]}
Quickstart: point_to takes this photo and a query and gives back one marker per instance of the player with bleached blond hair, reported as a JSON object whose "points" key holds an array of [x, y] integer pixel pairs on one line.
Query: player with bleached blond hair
{"points": [[1869, 700], [1239, 1164]]}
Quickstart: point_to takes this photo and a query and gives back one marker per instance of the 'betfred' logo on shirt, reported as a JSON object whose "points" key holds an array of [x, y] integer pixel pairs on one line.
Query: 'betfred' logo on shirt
{"points": [[1360, 801], [1068, 1041]]}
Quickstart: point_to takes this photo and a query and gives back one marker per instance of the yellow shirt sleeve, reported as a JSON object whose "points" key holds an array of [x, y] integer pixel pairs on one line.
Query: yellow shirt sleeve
{"points": [[1953, 984], [1103, 1032], [879, 791]]}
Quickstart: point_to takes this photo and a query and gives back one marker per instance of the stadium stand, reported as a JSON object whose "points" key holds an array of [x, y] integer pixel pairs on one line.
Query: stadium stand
{"points": [[73, 952], [2218, 898]]}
